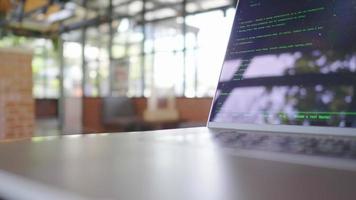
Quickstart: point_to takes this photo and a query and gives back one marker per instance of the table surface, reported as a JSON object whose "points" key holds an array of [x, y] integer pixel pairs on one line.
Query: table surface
{"points": [[170, 164]]}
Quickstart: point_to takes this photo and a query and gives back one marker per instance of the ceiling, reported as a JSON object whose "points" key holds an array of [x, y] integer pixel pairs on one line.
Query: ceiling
{"points": [[52, 17]]}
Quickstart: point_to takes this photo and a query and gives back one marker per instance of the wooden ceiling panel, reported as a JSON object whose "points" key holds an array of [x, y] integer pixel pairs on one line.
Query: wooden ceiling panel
{"points": [[53, 9], [31, 5], [5, 6]]}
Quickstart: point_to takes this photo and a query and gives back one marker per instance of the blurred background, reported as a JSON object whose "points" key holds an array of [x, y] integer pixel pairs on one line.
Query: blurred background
{"points": [[93, 66]]}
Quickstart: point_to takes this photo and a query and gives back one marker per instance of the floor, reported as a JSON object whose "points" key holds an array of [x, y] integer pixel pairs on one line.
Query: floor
{"points": [[47, 127]]}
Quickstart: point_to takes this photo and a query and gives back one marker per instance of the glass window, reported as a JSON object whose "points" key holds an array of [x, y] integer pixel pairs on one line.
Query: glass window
{"points": [[127, 39], [45, 69], [161, 9], [164, 65], [135, 76], [167, 35], [97, 61], [191, 73], [199, 6], [127, 59], [73, 74], [206, 41], [168, 71], [190, 64], [149, 71]]}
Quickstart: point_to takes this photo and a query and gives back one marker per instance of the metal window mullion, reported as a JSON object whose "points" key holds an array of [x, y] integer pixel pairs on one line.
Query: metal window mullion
{"points": [[110, 46], [61, 106], [143, 80], [184, 32]]}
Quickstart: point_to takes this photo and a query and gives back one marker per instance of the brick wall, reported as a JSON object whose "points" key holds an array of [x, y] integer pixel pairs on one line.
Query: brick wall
{"points": [[16, 101]]}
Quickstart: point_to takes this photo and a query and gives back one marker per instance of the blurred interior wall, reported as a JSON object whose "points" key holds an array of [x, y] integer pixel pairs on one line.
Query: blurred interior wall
{"points": [[191, 110]]}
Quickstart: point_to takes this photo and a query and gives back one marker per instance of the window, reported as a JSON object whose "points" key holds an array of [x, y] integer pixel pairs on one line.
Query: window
{"points": [[190, 64], [164, 46], [206, 42], [45, 69], [97, 61], [127, 59], [72, 63]]}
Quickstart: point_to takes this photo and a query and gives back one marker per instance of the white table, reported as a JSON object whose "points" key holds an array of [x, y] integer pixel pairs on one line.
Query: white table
{"points": [[169, 165]]}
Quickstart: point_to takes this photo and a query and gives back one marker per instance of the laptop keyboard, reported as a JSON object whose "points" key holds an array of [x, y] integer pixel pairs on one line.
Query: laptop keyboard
{"points": [[330, 146]]}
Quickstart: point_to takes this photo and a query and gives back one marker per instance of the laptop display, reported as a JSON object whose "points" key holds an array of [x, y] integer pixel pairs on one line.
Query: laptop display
{"points": [[290, 63]]}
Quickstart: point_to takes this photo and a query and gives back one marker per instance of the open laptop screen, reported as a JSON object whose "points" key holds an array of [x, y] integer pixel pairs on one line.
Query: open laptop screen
{"points": [[291, 63]]}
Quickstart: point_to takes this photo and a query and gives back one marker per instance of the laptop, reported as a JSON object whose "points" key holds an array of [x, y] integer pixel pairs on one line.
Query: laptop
{"points": [[287, 85], [288, 80]]}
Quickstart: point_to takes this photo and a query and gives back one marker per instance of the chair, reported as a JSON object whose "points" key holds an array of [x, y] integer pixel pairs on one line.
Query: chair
{"points": [[119, 114]]}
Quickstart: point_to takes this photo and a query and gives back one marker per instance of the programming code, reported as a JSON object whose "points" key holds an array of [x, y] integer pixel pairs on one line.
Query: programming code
{"points": [[290, 62], [262, 27]]}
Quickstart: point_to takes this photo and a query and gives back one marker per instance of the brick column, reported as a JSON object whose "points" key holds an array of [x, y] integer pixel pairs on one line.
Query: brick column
{"points": [[16, 100]]}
